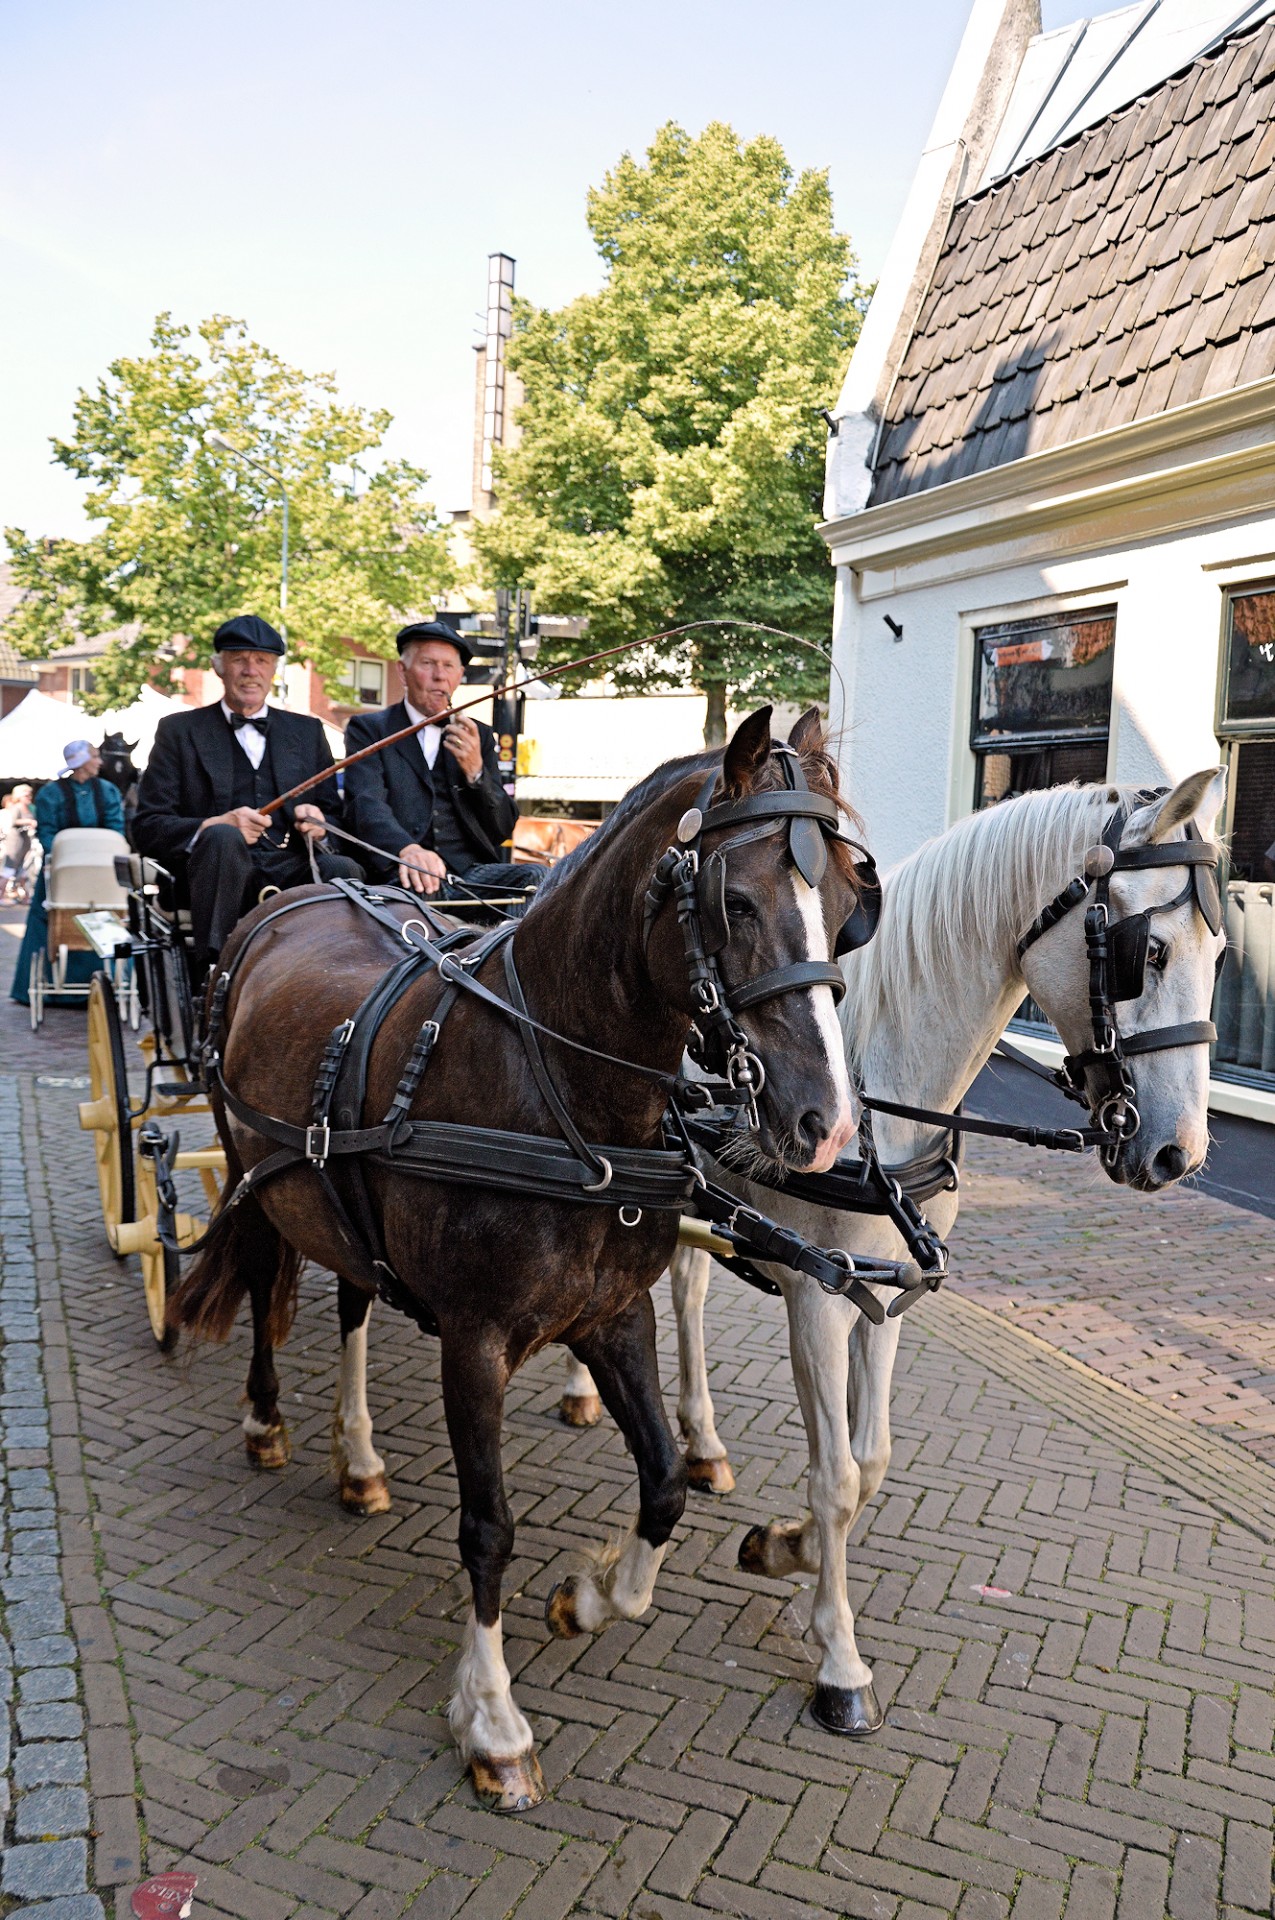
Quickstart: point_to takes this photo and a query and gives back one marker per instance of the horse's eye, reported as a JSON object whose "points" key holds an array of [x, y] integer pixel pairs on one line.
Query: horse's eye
{"points": [[1158, 955], [738, 907]]}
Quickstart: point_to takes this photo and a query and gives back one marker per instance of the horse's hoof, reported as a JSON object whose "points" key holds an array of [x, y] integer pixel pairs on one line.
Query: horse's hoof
{"points": [[852, 1711], [752, 1551], [507, 1786], [370, 1495], [270, 1449], [710, 1476], [580, 1410], [560, 1610]]}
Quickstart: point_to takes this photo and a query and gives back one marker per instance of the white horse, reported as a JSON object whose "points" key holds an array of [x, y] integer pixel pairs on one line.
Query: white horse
{"points": [[926, 1003]]}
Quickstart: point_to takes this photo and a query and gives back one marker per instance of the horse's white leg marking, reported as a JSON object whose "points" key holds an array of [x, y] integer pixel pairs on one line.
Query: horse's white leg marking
{"points": [[359, 1467], [581, 1404], [829, 1028], [483, 1714], [689, 1274], [819, 1335], [267, 1446], [617, 1584]]}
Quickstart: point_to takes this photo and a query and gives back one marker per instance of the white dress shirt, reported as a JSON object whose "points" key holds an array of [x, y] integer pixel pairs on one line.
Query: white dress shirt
{"points": [[247, 736], [430, 737]]}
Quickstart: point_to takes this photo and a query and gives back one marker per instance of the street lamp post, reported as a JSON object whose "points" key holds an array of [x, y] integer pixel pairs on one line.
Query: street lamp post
{"points": [[219, 441]]}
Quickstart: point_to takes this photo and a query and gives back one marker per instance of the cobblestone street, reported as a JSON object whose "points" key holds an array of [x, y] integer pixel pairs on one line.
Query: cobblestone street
{"points": [[1066, 1586]]}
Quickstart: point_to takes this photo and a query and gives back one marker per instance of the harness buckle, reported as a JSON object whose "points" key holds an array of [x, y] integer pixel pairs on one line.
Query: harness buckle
{"points": [[318, 1140]]}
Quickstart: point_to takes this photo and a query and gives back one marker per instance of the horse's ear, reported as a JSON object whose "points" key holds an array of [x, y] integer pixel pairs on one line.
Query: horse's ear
{"points": [[1199, 797], [747, 752], [807, 735]]}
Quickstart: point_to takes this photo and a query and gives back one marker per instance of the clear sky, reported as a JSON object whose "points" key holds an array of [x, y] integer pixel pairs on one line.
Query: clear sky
{"points": [[336, 174]]}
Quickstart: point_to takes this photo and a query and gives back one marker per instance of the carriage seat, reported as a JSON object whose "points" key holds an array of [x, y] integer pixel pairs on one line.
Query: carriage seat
{"points": [[139, 871], [80, 877]]}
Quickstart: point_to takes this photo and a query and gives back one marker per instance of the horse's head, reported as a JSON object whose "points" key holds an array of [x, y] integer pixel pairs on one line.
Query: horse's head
{"points": [[1134, 957], [765, 893]]}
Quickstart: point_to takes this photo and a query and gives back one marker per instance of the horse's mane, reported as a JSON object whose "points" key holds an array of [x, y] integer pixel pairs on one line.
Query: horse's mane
{"points": [[818, 766], [968, 894]]}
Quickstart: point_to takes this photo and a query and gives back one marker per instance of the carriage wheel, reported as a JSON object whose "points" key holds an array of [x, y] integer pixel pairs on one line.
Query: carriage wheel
{"points": [[35, 989], [111, 1113], [161, 1268]]}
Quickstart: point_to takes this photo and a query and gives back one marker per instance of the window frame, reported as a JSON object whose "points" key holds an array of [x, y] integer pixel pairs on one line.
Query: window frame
{"points": [[1227, 730], [981, 744]]}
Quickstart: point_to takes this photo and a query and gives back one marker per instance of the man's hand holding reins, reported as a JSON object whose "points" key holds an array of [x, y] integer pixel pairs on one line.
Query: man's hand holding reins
{"points": [[410, 875], [250, 823], [310, 821]]}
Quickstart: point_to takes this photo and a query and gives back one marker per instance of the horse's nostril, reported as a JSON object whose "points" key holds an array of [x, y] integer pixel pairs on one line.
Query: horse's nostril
{"points": [[811, 1130], [1170, 1164]]}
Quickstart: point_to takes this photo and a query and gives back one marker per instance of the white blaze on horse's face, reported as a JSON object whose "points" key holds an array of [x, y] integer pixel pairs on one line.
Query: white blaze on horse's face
{"points": [[829, 1028], [1172, 1084]]}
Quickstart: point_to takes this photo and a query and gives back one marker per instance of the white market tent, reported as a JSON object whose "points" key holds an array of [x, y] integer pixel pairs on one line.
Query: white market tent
{"points": [[33, 736]]}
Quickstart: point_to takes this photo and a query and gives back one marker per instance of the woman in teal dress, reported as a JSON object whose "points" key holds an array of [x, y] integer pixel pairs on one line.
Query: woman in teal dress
{"points": [[77, 799]]}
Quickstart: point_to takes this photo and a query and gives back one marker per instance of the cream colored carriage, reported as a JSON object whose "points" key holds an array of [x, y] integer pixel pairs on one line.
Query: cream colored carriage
{"points": [[84, 901]]}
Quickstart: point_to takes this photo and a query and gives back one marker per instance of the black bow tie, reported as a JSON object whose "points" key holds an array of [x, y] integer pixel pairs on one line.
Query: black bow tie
{"points": [[261, 721]]}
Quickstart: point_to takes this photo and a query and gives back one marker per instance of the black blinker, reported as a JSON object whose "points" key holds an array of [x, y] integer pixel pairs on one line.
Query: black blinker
{"points": [[863, 922], [809, 850], [1128, 941], [1208, 896], [712, 904]]}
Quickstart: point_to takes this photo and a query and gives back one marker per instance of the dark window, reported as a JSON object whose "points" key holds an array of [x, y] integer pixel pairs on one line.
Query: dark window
{"points": [[1247, 703], [1042, 702]]}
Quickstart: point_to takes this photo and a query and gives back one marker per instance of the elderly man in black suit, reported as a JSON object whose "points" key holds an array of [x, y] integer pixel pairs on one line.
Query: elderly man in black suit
{"points": [[210, 773], [432, 803]]}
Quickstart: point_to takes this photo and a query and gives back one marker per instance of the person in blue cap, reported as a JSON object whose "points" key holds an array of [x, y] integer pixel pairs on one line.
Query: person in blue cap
{"points": [[212, 770], [77, 798], [434, 804]]}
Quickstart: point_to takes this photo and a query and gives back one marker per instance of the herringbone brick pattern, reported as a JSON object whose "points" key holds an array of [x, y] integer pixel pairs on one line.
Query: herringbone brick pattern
{"points": [[1068, 1596], [1176, 1299]]}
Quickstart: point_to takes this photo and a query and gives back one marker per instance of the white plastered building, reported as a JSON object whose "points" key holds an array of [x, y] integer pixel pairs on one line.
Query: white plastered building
{"points": [[1051, 487]]}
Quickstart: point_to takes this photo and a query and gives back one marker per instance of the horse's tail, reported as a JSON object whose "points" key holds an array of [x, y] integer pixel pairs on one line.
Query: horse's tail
{"points": [[241, 1253]]}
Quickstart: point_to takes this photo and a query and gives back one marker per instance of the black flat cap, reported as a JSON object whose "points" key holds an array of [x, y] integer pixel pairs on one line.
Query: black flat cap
{"points": [[435, 630], [248, 632]]}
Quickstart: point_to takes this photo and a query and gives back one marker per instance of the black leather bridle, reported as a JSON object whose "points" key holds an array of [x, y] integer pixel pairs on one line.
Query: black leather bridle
{"points": [[1119, 952], [697, 884]]}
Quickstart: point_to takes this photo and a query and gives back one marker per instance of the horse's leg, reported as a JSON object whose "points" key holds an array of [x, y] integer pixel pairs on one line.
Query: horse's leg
{"points": [[706, 1463], [580, 1405], [819, 1334], [872, 1355], [359, 1468], [265, 1432], [494, 1739], [619, 1582]]}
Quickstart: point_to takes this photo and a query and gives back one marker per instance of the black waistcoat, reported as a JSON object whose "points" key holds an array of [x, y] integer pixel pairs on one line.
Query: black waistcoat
{"points": [[253, 786], [445, 836]]}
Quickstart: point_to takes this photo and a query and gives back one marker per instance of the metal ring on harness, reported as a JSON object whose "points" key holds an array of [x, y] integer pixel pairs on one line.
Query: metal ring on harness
{"points": [[599, 1186], [637, 1215]]}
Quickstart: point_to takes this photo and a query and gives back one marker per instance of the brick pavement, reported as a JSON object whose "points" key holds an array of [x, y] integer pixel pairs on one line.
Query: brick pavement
{"points": [[262, 1675], [1176, 1299]]}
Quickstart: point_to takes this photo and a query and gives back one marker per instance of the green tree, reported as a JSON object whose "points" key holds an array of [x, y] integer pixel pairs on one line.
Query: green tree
{"points": [[185, 536], [672, 448]]}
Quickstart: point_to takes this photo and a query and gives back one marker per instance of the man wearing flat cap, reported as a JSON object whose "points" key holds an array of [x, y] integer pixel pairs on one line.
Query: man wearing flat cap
{"points": [[433, 803], [210, 773]]}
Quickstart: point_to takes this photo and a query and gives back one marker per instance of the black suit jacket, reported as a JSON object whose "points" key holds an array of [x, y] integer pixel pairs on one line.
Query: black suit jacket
{"points": [[191, 772], [390, 795]]}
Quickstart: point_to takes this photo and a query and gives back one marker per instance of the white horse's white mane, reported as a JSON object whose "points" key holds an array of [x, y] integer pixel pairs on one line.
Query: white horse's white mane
{"points": [[964, 899]]}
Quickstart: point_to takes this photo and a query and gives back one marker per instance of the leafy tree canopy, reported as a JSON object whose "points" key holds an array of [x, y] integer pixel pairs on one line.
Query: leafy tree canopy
{"points": [[671, 441], [188, 536]]}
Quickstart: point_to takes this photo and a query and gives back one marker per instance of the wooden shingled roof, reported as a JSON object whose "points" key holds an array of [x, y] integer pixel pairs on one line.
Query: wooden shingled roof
{"points": [[1129, 271]]}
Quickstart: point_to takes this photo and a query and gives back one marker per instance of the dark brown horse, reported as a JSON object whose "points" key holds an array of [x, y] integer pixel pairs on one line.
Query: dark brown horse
{"points": [[498, 1274]]}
